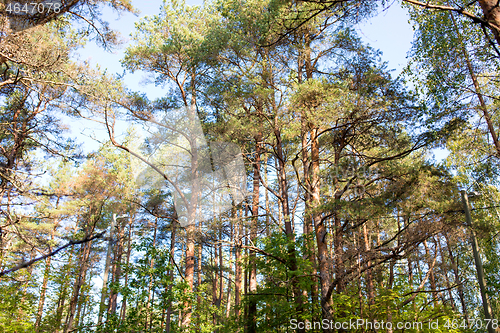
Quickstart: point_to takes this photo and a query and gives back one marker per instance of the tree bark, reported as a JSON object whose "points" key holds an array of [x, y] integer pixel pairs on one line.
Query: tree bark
{"points": [[151, 278], [170, 274], [41, 301], [237, 265], [80, 280], [123, 310], [292, 255], [454, 266], [446, 278], [490, 7], [431, 275], [252, 303], [63, 290], [320, 231], [369, 277], [192, 210], [491, 11], [308, 226], [230, 280], [117, 268], [107, 265]]}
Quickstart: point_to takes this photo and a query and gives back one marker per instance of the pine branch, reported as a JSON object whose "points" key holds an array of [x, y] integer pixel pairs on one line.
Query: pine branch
{"points": [[31, 262]]}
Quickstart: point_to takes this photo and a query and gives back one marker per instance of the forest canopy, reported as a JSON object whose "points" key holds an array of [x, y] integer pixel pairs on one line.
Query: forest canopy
{"points": [[285, 180]]}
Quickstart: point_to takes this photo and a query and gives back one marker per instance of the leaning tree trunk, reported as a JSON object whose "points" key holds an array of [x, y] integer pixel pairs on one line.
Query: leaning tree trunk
{"points": [[492, 14], [80, 280]]}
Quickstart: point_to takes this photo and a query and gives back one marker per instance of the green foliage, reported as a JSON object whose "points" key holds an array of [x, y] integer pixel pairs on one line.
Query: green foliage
{"points": [[18, 305], [290, 78]]}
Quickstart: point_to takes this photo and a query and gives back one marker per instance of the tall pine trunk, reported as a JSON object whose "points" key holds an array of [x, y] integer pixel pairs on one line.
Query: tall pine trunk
{"points": [[123, 310], [192, 210], [320, 231], [252, 303], [107, 265], [291, 251], [171, 273], [151, 278], [238, 280], [79, 281], [41, 301]]}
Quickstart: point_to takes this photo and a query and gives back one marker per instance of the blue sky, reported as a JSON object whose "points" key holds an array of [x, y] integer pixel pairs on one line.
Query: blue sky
{"points": [[388, 31]]}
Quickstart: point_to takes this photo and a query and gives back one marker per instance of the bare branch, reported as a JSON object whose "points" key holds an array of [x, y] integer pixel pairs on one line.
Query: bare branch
{"points": [[31, 262]]}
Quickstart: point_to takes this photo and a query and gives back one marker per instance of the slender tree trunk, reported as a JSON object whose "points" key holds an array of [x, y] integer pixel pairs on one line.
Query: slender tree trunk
{"points": [[117, 268], [80, 280], [431, 276], [107, 265], [320, 231], [215, 280], [41, 301], [492, 13], [24, 287], [84, 307], [269, 228], [171, 273], [230, 280], [308, 227], [123, 310], [266, 196], [189, 272], [237, 264], [200, 262], [83, 267], [390, 285], [357, 245], [82, 302], [369, 276], [151, 278], [292, 255], [221, 272], [252, 303], [315, 198], [245, 271], [63, 290], [454, 266], [87, 301], [446, 278], [280, 207], [338, 245]]}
